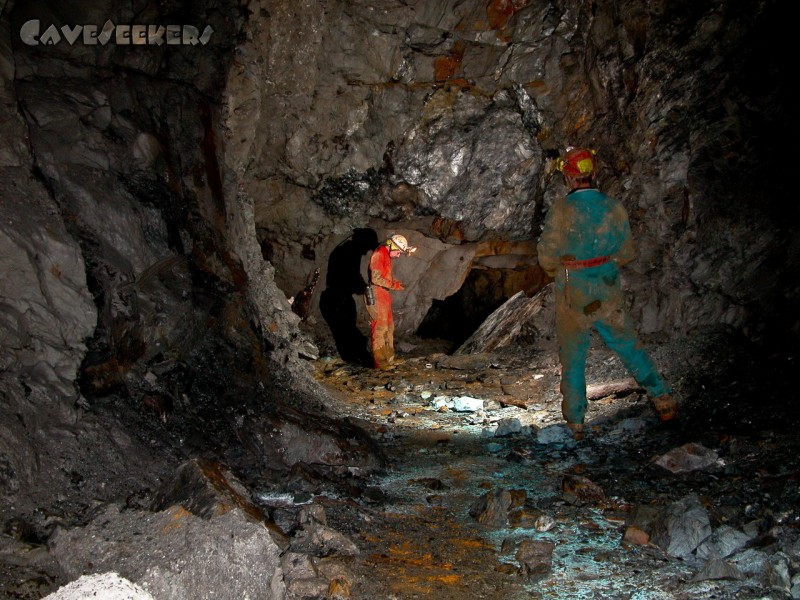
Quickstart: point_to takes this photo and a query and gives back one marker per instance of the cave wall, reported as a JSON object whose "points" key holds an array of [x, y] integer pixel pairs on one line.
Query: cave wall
{"points": [[395, 111], [46, 310], [131, 275], [160, 204]]}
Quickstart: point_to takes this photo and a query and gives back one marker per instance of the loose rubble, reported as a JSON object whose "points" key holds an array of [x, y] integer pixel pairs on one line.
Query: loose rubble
{"points": [[522, 510]]}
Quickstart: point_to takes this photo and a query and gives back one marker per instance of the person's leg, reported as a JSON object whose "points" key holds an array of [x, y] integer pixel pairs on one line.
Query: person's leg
{"points": [[375, 341], [390, 337], [381, 352], [573, 348], [382, 328], [617, 331]]}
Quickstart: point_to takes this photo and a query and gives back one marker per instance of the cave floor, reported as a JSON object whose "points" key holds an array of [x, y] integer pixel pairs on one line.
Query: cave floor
{"points": [[418, 524], [420, 536]]}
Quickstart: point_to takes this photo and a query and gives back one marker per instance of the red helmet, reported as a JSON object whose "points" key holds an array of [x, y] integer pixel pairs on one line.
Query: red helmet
{"points": [[578, 162]]}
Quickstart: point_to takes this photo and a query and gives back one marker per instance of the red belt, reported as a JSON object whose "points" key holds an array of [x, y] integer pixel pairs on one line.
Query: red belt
{"points": [[582, 264]]}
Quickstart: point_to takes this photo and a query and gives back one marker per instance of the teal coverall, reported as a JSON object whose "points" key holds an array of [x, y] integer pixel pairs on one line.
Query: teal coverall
{"points": [[586, 238]]}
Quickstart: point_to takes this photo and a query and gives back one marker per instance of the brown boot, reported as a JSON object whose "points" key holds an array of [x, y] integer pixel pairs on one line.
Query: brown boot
{"points": [[666, 407], [577, 431]]}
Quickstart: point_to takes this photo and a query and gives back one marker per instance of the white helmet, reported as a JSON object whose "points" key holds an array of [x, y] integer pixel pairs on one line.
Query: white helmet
{"points": [[399, 242]]}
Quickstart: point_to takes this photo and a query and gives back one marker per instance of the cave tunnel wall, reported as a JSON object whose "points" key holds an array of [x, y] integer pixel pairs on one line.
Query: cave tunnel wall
{"points": [[484, 290], [455, 113], [454, 118], [131, 268], [143, 188]]}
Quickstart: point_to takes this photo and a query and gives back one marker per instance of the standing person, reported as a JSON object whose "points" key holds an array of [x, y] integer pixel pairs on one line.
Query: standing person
{"points": [[380, 307], [586, 238]]}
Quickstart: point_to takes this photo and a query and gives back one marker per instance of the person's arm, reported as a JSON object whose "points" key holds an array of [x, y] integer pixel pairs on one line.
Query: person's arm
{"points": [[548, 248], [380, 272], [627, 249]]}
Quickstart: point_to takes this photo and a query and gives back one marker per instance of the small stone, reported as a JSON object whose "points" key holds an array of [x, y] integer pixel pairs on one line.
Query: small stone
{"points": [[535, 557], [339, 588], [637, 537], [467, 404], [716, 568], [580, 490], [507, 569], [544, 523]]}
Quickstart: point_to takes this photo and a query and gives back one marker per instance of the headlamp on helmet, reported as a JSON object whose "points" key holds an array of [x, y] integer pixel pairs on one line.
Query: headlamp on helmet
{"points": [[400, 243], [578, 162]]}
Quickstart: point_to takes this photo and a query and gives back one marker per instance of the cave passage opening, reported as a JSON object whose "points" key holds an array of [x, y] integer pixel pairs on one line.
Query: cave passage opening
{"points": [[485, 289]]}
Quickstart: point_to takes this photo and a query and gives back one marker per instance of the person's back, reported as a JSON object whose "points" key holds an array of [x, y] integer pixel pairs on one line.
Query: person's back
{"points": [[586, 228], [599, 224]]}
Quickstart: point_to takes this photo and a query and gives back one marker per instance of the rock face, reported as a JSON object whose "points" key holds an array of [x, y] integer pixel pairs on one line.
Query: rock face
{"points": [[130, 262], [161, 202], [187, 557], [110, 585], [454, 110]]}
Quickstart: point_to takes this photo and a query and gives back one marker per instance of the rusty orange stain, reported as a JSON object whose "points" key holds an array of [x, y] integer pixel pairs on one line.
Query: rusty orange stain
{"points": [[411, 585], [177, 515], [500, 11], [408, 559], [404, 548], [538, 87], [470, 543], [445, 228], [446, 579], [444, 67]]}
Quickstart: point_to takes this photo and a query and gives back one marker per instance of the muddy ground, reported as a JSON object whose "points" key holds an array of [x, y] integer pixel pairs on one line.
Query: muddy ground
{"points": [[415, 529], [421, 538]]}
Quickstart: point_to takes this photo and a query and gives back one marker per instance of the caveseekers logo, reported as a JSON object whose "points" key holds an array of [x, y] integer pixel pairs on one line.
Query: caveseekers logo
{"points": [[124, 35]]}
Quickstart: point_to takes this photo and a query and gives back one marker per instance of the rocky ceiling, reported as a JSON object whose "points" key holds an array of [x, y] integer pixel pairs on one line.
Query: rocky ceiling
{"points": [[161, 202]]}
